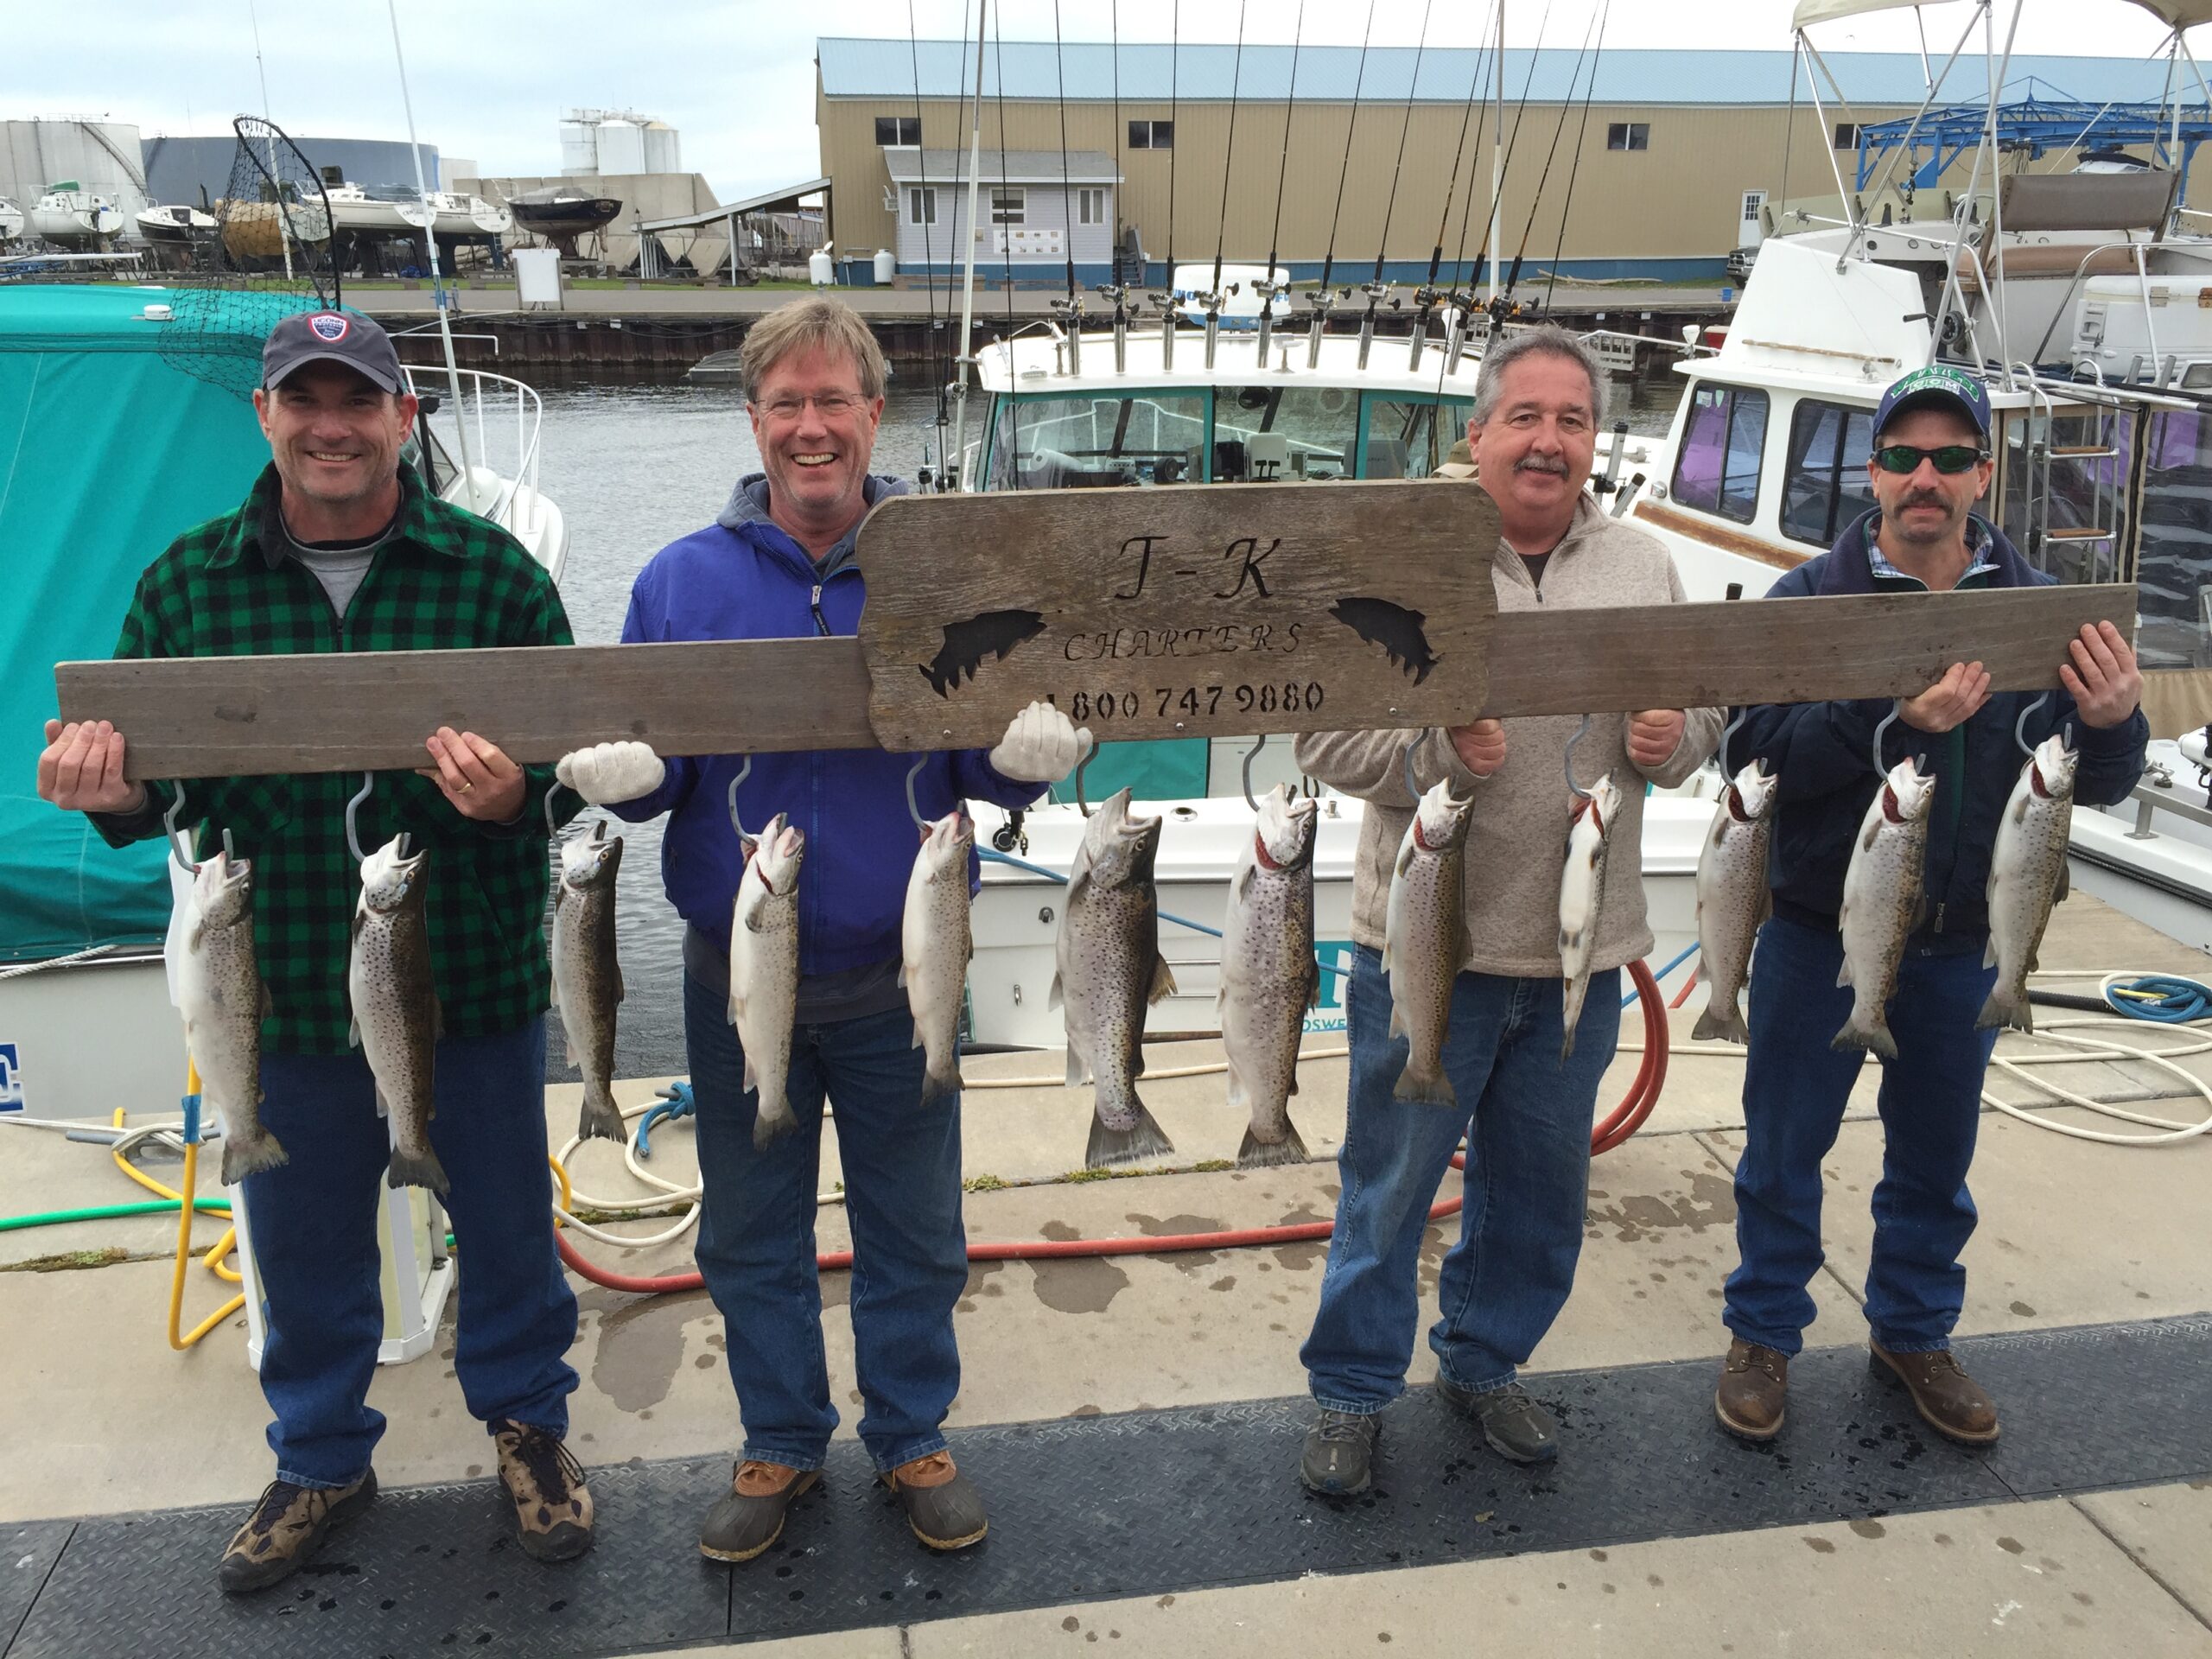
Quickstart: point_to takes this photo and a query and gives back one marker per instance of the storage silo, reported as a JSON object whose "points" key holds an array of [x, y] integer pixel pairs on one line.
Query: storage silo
{"points": [[579, 147], [621, 147], [105, 158], [663, 148]]}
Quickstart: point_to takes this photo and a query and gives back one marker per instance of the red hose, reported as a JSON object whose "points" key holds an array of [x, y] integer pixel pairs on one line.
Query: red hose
{"points": [[1627, 1118]]}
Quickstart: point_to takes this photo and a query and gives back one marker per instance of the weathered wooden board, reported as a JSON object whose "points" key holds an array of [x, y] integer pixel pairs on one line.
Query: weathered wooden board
{"points": [[223, 716], [1787, 650], [1184, 611]]}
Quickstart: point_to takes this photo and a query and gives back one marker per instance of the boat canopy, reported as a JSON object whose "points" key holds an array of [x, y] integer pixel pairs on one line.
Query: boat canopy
{"points": [[2036, 127], [112, 442], [2175, 13]]}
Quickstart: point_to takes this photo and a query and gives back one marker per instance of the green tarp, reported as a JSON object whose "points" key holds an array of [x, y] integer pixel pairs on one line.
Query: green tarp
{"points": [[112, 440]]}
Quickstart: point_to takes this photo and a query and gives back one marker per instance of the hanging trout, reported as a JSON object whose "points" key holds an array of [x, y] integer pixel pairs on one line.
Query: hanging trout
{"points": [[587, 977], [1425, 938], [1733, 899], [222, 999], [1882, 902], [1110, 972], [2027, 876], [936, 944], [396, 1019], [1581, 891], [764, 972], [1268, 976]]}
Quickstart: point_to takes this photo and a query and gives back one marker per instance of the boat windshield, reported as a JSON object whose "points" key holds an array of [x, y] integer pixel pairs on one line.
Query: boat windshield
{"points": [[1095, 441], [2174, 629]]}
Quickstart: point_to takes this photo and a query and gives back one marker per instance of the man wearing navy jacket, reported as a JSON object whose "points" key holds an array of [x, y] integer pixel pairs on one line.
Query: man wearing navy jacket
{"points": [[1930, 464], [778, 564]]}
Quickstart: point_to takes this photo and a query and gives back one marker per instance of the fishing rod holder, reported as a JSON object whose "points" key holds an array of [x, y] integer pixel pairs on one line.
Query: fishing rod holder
{"points": [[1169, 303], [1070, 313], [1455, 336], [1119, 296], [1269, 293], [1376, 293], [1425, 298], [1211, 305], [1323, 302]]}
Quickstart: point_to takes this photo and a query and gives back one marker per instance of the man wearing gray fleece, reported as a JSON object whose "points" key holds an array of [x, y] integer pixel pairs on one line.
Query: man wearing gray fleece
{"points": [[1540, 403]]}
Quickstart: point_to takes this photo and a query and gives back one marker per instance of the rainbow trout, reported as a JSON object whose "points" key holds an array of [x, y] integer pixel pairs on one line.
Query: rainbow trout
{"points": [[1268, 976], [1581, 891], [587, 977], [1425, 938], [1882, 902], [396, 1019], [2027, 876], [1733, 899], [221, 996], [764, 972], [935, 946]]}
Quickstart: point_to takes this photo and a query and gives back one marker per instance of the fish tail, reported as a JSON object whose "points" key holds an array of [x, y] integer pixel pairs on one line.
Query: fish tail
{"points": [[1722, 1022], [1426, 1083], [417, 1169], [771, 1122], [1866, 1031], [1142, 1139], [249, 1154], [601, 1117], [2004, 1008], [938, 1084], [1257, 1153]]}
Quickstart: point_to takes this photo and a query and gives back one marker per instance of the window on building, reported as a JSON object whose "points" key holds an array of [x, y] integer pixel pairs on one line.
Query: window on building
{"points": [[898, 130], [1152, 135], [1009, 206], [1826, 487], [921, 204], [1717, 467], [1846, 134], [1628, 135], [1091, 207]]}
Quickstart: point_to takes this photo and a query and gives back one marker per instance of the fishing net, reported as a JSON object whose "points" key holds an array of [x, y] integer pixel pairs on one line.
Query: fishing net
{"points": [[273, 257]]}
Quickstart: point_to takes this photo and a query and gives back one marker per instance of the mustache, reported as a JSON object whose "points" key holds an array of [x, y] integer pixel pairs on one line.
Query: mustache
{"points": [[1925, 498], [1539, 464]]}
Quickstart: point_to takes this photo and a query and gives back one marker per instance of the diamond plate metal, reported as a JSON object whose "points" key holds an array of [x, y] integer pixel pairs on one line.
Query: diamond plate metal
{"points": [[28, 1554], [1142, 1504]]}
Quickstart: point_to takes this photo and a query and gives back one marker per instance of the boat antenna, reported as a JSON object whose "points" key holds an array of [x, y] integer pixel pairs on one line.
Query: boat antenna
{"points": [[1282, 176], [1229, 154], [1567, 204], [1790, 130], [966, 357], [1006, 234], [1335, 216], [1559, 130], [430, 242], [1174, 136], [928, 198], [1059, 70]]}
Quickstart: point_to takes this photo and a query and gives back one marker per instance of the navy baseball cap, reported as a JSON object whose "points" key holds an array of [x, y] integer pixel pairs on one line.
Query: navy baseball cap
{"points": [[331, 337], [1936, 386]]}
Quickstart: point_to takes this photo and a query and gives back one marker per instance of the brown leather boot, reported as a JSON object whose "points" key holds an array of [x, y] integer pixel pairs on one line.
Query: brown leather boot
{"points": [[1754, 1388], [942, 1505], [751, 1517], [1948, 1401]]}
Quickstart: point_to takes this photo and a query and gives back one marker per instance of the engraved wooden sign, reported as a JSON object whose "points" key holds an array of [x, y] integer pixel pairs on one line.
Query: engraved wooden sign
{"points": [[1191, 610]]}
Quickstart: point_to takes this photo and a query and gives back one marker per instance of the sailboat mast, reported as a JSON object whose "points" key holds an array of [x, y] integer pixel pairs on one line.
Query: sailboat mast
{"points": [[1496, 150], [430, 241], [966, 358], [283, 218]]}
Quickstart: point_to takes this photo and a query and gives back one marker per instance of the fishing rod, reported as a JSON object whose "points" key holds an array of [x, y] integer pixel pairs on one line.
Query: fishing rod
{"points": [[1461, 305], [1171, 301], [1320, 299], [1005, 236], [1500, 306], [966, 358], [1574, 171], [1267, 286], [1426, 296], [1375, 288], [1117, 290], [1212, 298], [1071, 308], [1558, 130], [927, 214]]}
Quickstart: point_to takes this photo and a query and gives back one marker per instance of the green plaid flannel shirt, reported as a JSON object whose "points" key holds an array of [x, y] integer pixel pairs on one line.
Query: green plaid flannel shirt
{"points": [[446, 580]]}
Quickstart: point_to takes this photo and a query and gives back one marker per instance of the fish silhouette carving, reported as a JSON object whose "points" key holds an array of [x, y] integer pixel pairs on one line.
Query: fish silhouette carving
{"points": [[1395, 628], [994, 635]]}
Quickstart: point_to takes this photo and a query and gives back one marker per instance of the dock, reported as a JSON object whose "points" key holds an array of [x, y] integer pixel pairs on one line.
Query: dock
{"points": [[1134, 1421]]}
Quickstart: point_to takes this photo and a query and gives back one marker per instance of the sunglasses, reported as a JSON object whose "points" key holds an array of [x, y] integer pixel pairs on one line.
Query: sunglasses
{"points": [[1951, 458]]}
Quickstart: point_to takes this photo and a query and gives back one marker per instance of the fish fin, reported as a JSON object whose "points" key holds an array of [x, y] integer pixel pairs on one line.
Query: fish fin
{"points": [[1920, 910], [1053, 998], [1989, 954], [768, 1127], [1720, 1022], [437, 1020], [751, 1079], [268, 1003], [1163, 981], [1873, 1035], [1867, 841], [1079, 884], [1313, 986], [199, 931], [409, 1169], [245, 1155], [1566, 1047], [1257, 1153], [2065, 883], [553, 998], [938, 1085], [600, 1118], [1843, 974], [1405, 859], [1142, 1139], [736, 1009], [1430, 1087], [569, 1042], [2024, 1014], [1245, 877], [384, 1106], [353, 1031], [1079, 1068], [1397, 1022], [904, 972], [2020, 810], [621, 991]]}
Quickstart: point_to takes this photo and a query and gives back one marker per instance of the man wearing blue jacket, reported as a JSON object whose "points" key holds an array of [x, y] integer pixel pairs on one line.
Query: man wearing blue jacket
{"points": [[1930, 464], [778, 564]]}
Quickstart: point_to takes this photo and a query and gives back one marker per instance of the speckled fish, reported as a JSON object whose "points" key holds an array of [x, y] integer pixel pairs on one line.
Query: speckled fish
{"points": [[935, 945], [1882, 902], [1733, 899], [764, 972], [396, 1019], [1268, 976], [1425, 938], [2027, 876], [1110, 972], [587, 977], [222, 999], [1581, 891]]}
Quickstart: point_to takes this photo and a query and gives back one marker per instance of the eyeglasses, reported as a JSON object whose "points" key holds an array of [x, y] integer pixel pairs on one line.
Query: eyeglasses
{"points": [[1951, 458], [830, 405]]}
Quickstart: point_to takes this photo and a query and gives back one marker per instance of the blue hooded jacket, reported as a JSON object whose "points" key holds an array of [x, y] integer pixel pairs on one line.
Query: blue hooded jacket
{"points": [[743, 578], [1823, 754]]}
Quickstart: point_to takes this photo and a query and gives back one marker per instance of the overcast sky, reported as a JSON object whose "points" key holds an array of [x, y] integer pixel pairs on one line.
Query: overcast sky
{"points": [[490, 78]]}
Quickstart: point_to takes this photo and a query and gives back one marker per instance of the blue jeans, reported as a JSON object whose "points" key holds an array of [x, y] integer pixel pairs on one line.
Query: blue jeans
{"points": [[901, 1162], [314, 1242], [1795, 1089], [1527, 1119]]}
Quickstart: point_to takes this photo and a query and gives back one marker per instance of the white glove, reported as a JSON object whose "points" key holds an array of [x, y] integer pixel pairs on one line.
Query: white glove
{"points": [[1040, 746], [608, 773]]}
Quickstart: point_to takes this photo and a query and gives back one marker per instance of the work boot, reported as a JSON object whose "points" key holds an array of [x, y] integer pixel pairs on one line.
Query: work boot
{"points": [[286, 1527], [942, 1505], [1514, 1425], [552, 1504], [1339, 1455], [1948, 1401], [750, 1518], [1754, 1387]]}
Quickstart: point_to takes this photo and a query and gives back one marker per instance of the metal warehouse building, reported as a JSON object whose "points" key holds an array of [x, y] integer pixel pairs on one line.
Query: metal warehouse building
{"points": [[1679, 151]]}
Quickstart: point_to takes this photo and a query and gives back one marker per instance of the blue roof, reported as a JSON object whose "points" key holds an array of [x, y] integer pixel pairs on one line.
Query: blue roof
{"points": [[1204, 73]]}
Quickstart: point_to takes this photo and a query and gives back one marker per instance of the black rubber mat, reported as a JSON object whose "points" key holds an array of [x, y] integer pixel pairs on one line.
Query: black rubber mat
{"points": [[1145, 1503], [27, 1556]]}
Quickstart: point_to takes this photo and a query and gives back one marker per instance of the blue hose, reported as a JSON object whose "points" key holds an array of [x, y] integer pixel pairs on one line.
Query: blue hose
{"points": [[2166, 1000], [1681, 956], [677, 1101]]}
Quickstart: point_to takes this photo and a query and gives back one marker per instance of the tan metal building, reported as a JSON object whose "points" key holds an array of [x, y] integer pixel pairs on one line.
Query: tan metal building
{"points": [[1660, 162]]}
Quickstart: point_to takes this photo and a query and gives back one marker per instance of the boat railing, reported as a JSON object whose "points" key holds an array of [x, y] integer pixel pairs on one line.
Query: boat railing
{"points": [[2138, 249], [2153, 798], [503, 418]]}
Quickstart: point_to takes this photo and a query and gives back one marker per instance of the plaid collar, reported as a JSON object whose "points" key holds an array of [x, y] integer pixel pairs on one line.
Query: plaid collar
{"points": [[1979, 542], [260, 525]]}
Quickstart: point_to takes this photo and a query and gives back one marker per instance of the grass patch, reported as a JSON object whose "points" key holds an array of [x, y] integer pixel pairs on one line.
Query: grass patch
{"points": [[70, 1261]]}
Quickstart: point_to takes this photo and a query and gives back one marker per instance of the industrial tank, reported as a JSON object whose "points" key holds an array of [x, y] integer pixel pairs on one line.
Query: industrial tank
{"points": [[579, 149], [663, 148], [621, 148]]}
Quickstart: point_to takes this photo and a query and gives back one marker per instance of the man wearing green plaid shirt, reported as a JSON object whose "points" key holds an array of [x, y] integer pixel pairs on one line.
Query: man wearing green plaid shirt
{"points": [[339, 547]]}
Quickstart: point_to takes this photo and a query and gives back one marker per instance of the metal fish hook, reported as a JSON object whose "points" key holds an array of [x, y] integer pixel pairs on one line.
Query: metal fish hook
{"points": [[1090, 752], [353, 810], [552, 829], [1405, 770], [1888, 720], [2020, 726], [176, 836], [912, 811], [736, 822], [1728, 735], [1566, 760], [1250, 755]]}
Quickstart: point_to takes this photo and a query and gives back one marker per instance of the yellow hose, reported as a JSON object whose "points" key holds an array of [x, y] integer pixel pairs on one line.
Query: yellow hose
{"points": [[568, 1192], [181, 1342]]}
